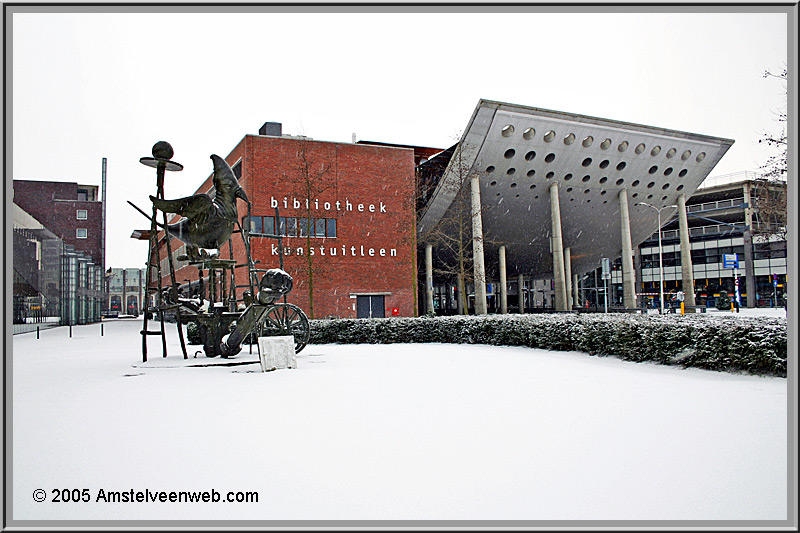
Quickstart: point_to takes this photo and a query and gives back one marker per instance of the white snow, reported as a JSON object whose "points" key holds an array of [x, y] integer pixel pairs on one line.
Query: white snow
{"points": [[363, 432]]}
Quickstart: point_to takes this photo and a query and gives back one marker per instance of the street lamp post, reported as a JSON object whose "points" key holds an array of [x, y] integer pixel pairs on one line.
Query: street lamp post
{"points": [[660, 254]]}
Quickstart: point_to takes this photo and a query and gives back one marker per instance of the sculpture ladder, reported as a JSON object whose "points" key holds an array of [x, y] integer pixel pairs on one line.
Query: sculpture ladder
{"points": [[162, 152]]}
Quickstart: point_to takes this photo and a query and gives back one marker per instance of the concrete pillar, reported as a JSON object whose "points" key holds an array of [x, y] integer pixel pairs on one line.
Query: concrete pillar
{"points": [[558, 250], [429, 278], [478, 265], [575, 291], [749, 272], [520, 286], [687, 271], [503, 284], [628, 275], [568, 275]]}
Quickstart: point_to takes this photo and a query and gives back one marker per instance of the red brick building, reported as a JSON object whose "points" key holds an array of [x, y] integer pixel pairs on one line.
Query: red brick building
{"points": [[346, 212], [73, 212]]}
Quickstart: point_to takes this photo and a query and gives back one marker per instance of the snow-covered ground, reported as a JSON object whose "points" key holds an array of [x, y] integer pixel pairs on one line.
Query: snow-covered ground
{"points": [[364, 432]]}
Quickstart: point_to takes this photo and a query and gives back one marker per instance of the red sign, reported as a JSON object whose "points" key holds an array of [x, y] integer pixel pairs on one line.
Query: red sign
{"points": [[395, 311]]}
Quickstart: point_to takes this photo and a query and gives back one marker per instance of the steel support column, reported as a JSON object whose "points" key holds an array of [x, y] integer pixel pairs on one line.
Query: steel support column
{"points": [[568, 276], [628, 274], [687, 270], [558, 250], [429, 278], [503, 284], [478, 265]]}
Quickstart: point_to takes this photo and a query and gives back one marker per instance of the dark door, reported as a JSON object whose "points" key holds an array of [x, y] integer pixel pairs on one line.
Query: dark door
{"points": [[370, 306]]}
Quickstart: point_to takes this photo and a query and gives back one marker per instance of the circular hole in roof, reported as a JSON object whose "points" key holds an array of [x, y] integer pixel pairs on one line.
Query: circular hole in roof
{"points": [[511, 171], [528, 134], [663, 198], [655, 151], [498, 194], [549, 175], [635, 183], [651, 184], [530, 155], [640, 148], [603, 179], [602, 192], [569, 189], [586, 178], [604, 163], [493, 183], [509, 153], [588, 200], [587, 142], [513, 185], [665, 187], [489, 169], [621, 165], [549, 136], [652, 170], [682, 173], [700, 156], [507, 131], [668, 171], [530, 173], [620, 181], [649, 196], [572, 199], [679, 187], [686, 155], [586, 162], [536, 197], [605, 144], [671, 152], [605, 201], [634, 195], [516, 196], [549, 158], [568, 177], [569, 139], [586, 191], [622, 146], [533, 186]]}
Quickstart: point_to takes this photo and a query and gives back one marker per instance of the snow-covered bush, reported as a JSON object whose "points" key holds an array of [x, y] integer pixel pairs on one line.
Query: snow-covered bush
{"points": [[755, 345]]}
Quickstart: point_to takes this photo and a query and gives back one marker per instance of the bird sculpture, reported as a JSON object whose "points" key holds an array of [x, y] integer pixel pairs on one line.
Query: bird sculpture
{"points": [[207, 222]]}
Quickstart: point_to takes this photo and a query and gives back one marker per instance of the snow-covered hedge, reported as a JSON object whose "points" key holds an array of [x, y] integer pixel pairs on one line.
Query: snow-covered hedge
{"points": [[754, 345]]}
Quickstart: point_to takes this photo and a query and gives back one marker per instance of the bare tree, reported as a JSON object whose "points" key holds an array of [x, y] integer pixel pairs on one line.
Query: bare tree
{"points": [[452, 234], [770, 192], [313, 174], [769, 200], [775, 166]]}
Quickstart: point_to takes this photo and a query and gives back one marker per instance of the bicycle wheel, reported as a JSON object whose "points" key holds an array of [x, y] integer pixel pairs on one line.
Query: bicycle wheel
{"points": [[286, 319]]}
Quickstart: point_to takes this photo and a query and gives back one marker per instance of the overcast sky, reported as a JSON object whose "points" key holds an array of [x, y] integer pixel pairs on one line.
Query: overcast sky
{"points": [[93, 85]]}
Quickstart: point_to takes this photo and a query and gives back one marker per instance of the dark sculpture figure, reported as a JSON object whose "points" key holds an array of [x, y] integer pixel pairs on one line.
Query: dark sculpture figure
{"points": [[208, 222]]}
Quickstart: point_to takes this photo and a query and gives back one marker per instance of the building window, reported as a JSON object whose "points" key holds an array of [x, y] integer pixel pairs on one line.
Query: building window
{"points": [[82, 214], [256, 225], [83, 195], [293, 226], [81, 233]]}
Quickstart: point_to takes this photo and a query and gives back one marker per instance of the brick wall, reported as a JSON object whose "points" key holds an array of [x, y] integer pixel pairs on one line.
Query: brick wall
{"points": [[55, 205], [368, 190]]}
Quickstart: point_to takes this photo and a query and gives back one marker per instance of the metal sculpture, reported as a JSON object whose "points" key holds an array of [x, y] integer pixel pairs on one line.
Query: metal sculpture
{"points": [[224, 321], [208, 222]]}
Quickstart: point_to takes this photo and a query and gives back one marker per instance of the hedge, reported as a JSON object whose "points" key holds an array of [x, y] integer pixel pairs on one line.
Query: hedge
{"points": [[732, 344]]}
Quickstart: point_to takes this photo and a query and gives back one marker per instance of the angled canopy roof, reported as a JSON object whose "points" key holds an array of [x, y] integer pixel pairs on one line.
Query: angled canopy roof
{"points": [[519, 151]]}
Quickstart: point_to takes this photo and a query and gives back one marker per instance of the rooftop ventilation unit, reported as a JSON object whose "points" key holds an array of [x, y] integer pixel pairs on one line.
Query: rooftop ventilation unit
{"points": [[271, 128]]}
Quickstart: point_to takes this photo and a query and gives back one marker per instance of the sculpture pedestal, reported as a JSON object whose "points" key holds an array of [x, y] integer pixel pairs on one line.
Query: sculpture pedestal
{"points": [[276, 352]]}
